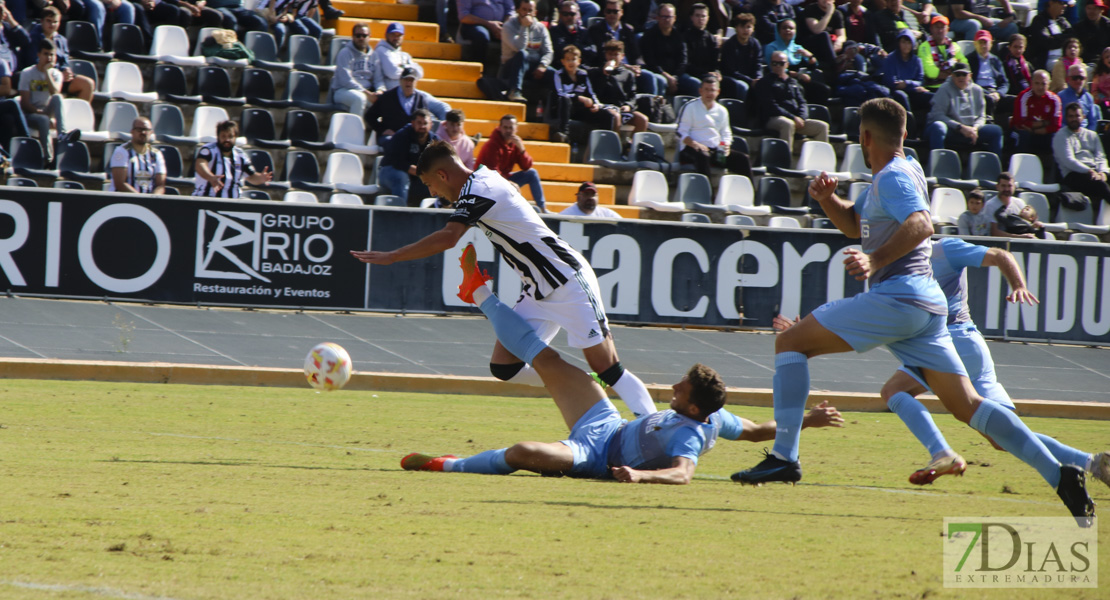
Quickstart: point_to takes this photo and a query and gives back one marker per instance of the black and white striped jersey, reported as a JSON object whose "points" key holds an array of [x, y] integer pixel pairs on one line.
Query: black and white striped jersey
{"points": [[234, 168], [141, 167], [543, 261]]}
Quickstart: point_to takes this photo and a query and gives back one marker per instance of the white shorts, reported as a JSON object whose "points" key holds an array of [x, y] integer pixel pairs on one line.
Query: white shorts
{"points": [[575, 306]]}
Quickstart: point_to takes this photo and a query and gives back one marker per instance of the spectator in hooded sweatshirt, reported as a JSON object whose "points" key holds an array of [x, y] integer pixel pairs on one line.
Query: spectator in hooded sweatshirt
{"points": [[905, 76], [741, 59], [353, 85], [390, 61]]}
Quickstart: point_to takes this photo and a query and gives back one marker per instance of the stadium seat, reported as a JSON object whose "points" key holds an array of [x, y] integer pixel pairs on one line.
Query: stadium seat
{"points": [[947, 205], [775, 155], [303, 91], [336, 44], [128, 44], [738, 119], [86, 68], [21, 182], [27, 158], [654, 140], [74, 163], [174, 165], [204, 34], [945, 166], [1029, 173], [1074, 218], [172, 191], [205, 120], [255, 195], [78, 114], [850, 123], [169, 124], [694, 217], [736, 193], [740, 220], [1087, 238], [856, 189], [984, 168], [303, 172], [123, 81], [348, 133], [788, 222], [171, 45], [853, 164], [948, 230], [106, 155], [1039, 202], [261, 161], [303, 130], [819, 157], [300, 197], [117, 119], [966, 46], [258, 88], [605, 151], [821, 112], [1101, 225], [347, 199], [650, 190], [304, 53], [775, 193], [63, 184], [84, 41], [257, 126], [344, 173], [265, 50], [171, 86], [822, 223], [214, 85], [693, 188], [389, 200]]}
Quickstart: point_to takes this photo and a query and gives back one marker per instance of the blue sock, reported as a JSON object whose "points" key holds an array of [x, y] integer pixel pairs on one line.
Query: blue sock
{"points": [[490, 462], [914, 414], [1065, 454], [1004, 427], [512, 330], [791, 388]]}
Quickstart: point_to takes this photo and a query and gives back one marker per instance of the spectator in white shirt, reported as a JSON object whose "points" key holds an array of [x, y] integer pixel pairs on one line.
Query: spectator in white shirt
{"points": [[585, 204], [706, 135]]}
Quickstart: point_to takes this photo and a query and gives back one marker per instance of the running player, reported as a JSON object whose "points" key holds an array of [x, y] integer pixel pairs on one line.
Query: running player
{"points": [[659, 448], [560, 289], [903, 309]]}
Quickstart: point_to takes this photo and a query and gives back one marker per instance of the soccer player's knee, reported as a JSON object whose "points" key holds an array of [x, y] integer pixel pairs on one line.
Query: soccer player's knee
{"points": [[613, 374], [505, 372]]}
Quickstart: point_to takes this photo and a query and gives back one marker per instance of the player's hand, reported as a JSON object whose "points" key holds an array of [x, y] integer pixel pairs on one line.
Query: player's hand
{"points": [[824, 415], [781, 323], [1022, 296], [267, 175], [858, 263], [822, 187], [626, 474], [374, 257], [217, 183]]}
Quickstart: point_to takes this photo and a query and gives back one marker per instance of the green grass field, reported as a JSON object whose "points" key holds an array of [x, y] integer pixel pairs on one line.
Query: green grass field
{"points": [[192, 492]]}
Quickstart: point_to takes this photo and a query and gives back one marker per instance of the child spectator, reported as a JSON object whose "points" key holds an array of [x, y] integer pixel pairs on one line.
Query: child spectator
{"points": [[974, 221]]}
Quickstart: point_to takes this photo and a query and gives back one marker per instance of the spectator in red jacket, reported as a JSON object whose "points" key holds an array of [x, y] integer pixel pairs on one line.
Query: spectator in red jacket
{"points": [[1037, 115], [505, 151]]}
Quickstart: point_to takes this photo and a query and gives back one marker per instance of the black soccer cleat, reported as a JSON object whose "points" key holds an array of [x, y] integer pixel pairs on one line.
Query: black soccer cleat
{"points": [[770, 469], [1073, 491]]}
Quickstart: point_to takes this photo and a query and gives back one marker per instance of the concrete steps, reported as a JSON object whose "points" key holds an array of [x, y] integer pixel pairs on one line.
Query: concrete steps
{"points": [[419, 49], [386, 10], [628, 212], [414, 32], [527, 131], [447, 89], [453, 70], [560, 191], [486, 110], [569, 172]]}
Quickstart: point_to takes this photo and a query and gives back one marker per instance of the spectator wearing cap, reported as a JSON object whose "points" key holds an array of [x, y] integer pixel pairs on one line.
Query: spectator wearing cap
{"points": [[585, 204], [525, 49], [971, 16], [453, 131], [504, 151], [1082, 161], [987, 71], [480, 21], [938, 53], [568, 31], [1037, 115], [395, 108], [397, 171], [904, 75], [390, 61], [1093, 30], [959, 116], [353, 85], [1076, 92], [1046, 34], [741, 60]]}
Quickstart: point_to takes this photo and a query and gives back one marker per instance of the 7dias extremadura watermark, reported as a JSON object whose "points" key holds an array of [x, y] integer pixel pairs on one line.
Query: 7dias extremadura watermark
{"points": [[1019, 552]]}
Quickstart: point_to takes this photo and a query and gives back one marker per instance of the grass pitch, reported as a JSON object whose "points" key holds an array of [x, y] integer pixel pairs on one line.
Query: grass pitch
{"points": [[191, 492]]}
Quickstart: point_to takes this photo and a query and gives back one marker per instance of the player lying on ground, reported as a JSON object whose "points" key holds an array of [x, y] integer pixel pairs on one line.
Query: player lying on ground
{"points": [[659, 448], [560, 288], [903, 309], [951, 258]]}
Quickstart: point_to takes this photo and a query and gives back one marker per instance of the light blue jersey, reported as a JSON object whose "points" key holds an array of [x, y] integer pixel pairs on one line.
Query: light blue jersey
{"points": [[898, 191], [655, 440], [951, 258]]}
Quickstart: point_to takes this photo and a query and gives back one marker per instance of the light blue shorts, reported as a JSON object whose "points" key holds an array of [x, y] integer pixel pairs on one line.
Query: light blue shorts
{"points": [[589, 440], [976, 357], [917, 337]]}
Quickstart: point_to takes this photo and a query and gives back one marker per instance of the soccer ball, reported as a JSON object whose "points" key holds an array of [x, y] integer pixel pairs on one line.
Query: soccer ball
{"points": [[327, 367]]}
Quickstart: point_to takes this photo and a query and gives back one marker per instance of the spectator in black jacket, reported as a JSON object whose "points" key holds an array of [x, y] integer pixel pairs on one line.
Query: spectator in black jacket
{"points": [[1046, 35], [615, 86], [569, 32], [664, 51], [388, 114], [397, 171], [781, 104], [889, 22], [701, 51], [741, 59], [768, 14], [613, 29], [1094, 31], [577, 100]]}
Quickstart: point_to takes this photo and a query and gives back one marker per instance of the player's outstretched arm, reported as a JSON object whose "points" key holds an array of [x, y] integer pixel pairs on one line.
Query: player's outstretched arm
{"points": [[997, 257], [821, 415], [680, 472], [841, 212], [429, 245], [915, 229]]}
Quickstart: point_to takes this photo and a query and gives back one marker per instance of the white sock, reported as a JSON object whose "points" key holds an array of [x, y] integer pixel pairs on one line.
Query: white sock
{"points": [[944, 454], [634, 394], [482, 293], [449, 464], [528, 376]]}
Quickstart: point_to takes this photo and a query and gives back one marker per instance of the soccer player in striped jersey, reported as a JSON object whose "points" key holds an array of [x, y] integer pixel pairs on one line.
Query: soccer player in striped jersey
{"points": [[137, 166], [221, 167], [560, 289]]}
